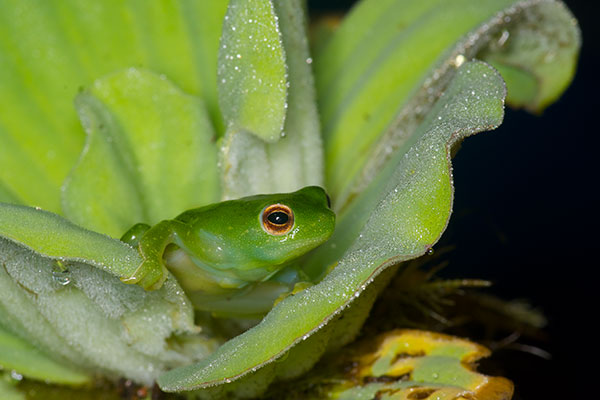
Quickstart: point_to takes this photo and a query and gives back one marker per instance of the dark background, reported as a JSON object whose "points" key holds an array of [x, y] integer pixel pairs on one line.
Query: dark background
{"points": [[525, 218]]}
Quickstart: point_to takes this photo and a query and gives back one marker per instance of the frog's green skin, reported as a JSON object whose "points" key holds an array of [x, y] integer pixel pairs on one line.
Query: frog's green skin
{"points": [[221, 250]]}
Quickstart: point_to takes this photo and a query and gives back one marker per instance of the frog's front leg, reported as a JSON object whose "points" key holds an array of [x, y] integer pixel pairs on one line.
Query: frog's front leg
{"points": [[152, 272], [133, 236]]}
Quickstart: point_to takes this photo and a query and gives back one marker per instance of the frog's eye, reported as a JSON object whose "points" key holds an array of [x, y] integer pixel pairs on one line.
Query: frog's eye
{"points": [[277, 219]]}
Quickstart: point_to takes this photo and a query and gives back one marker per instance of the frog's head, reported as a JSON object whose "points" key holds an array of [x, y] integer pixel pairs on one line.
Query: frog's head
{"points": [[253, 237], [294, 223]]}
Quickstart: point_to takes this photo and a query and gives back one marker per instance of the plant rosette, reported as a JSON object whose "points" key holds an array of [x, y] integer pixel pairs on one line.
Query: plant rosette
{"points": [[182, 104]]}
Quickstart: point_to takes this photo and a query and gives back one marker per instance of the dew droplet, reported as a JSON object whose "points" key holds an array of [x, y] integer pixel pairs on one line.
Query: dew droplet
{"points": [[459, 60], [61, 277], [15, 375], [60, 273]]}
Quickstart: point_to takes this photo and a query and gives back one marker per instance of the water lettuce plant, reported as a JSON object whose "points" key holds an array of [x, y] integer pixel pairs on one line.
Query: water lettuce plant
{"points": [[114, 113]]}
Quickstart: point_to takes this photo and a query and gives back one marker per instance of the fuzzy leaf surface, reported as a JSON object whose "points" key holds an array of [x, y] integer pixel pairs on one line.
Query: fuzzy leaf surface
{"points": [[251, 165], [61, 293], [150, 154], [252, 79]]}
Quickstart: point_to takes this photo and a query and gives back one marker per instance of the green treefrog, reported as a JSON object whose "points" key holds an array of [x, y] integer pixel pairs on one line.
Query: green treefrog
{"points": [[229, 257]]}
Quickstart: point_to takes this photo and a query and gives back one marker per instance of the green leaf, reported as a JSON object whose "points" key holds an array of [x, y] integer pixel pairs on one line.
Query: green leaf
{"points": [[150, 154], [252, 166], [49, 50], [378, 75], [6, 196], [339, 331], [536, 53], [19, 355], [407, 217], [56, 296], [9, 392], [55, 237], [460, 112], [252, 80]]}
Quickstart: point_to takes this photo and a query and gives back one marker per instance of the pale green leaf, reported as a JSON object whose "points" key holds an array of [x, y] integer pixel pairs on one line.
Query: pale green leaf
{"points": [[252, 166], [19, 355], [6, 196], [252, 82], [103, 192], [55, 237], [150, 154], [50, 49]]}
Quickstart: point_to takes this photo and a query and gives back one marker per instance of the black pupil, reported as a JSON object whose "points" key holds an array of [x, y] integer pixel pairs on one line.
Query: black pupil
{"points": [[278, 218]]}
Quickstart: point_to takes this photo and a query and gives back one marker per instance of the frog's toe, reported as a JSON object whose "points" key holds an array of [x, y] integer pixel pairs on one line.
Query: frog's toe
{"points": [[148, 275]]}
